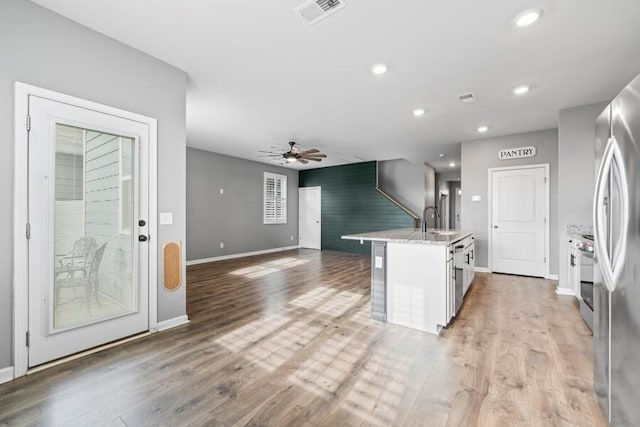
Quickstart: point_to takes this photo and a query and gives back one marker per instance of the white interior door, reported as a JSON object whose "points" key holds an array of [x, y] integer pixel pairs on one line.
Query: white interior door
{"points": [[309, 224], [518, 221], [88, 205]]}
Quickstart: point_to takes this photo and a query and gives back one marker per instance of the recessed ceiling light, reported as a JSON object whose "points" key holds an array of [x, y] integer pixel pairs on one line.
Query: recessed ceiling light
{"points": [[418, 112], [483, 129], [528, 17], [379, 69], [452, 164], [521, 90]]}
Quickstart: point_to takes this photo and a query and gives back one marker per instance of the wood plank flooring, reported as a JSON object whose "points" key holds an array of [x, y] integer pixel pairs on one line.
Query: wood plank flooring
{"points": [[285, 340]]}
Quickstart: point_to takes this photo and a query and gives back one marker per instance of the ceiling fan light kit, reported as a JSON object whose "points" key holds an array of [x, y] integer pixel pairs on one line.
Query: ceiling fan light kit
{"points": [[295, 154]]}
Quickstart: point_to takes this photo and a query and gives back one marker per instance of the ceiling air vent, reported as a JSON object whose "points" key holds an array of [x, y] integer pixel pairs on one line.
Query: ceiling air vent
{"points": [[467, 97], [315, 10]]}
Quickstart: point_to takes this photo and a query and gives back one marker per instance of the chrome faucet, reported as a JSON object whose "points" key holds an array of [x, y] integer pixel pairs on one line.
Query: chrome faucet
{"points": [[424, 216]]}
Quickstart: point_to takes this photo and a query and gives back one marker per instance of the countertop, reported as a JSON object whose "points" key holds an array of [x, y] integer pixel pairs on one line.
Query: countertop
{"points": [[412, 235]]}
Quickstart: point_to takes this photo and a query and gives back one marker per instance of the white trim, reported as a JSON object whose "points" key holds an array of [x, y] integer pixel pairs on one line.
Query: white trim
{"points": [[547, 213], [86, 353], [277, 201], [482, 270], [20, 246], [172, 323], [242, 255], [152, 222], [552, 277], [565, 291], [22, 92], [6, 374]]}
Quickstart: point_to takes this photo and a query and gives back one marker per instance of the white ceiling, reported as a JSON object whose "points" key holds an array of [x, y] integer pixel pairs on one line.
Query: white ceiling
{"points": [[260, 76]]}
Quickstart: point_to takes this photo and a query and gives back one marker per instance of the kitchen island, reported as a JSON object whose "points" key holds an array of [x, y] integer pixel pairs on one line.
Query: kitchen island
{"points": [[418, 279]]}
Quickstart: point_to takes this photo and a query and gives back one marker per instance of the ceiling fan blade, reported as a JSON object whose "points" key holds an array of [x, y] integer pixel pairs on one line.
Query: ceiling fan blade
{"points": [[315, 159], [319, 156], [303, 161], [311, 151]]}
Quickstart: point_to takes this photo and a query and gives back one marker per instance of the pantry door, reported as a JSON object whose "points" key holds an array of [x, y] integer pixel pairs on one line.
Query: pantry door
{"points": [[519, 220], [88, 228]]}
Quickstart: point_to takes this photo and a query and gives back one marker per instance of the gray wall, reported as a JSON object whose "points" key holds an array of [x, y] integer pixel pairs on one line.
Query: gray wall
{"points": [[480, 155], [405, 182], [576, 180], [44, 49], [234, 217]]}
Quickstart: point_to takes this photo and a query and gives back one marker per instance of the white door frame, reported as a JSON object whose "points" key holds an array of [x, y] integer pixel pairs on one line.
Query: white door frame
{"points": [[20, 211], [300, 190], [547, 210]]}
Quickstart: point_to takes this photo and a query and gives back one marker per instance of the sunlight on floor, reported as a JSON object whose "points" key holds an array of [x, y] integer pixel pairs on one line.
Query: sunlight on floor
{"points": [[269, 267], [339, 304], [313, 298], [326, 369], [275, 351], [377, 394], [241, 338]]}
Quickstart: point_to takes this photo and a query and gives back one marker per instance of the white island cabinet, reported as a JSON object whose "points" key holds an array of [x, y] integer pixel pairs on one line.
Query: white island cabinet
{"points": [[414, 275]]}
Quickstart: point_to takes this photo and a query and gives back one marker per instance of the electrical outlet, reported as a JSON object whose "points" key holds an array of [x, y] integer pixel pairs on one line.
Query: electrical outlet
{"points": [[222, 191], [291, 237], [221, 245]]}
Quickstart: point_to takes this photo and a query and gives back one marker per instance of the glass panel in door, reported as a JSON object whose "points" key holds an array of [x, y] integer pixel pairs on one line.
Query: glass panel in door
{"points": [[95, 208]]}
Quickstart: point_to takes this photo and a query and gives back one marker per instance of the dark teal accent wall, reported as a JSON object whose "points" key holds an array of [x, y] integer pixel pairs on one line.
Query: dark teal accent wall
{"points": [[351, 204]]}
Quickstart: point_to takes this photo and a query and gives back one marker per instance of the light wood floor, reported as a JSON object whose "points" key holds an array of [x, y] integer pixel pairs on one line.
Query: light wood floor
{"points": [[285, 339]]}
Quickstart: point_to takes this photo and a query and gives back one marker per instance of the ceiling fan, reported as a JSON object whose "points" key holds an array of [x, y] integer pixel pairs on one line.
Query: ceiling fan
{"points": [[294, 154]]}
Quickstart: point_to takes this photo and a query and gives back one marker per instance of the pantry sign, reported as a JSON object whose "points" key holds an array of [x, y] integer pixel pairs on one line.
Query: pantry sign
{"points": [[517, 153]]}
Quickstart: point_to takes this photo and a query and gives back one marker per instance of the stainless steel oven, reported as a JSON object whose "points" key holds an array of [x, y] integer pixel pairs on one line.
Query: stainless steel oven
{"points": [[585, 246]]}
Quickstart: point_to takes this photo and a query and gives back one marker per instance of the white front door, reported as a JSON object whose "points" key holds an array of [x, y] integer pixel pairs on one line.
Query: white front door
{"points": [[518, 221], [309, 228], [87, 206]]}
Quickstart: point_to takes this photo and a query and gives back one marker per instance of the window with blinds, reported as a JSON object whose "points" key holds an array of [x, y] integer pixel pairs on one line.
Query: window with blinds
{"points": [[275, 198]]}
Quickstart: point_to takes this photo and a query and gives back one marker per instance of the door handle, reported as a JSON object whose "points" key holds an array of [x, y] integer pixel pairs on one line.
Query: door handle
{"points": [[495, 226], [612, 164], [142, 238]]}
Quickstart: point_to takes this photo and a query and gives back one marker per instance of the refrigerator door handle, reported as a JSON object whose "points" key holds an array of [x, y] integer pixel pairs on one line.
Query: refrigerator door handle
{"points": [[612, 163]]}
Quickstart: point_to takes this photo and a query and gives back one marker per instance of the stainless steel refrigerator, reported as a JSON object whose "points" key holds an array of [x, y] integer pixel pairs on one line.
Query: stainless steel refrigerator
{"points": [[616, 219]]}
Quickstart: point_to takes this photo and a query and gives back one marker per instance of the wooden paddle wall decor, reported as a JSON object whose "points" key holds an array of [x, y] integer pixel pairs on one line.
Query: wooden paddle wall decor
{"points": [[171, 254]]}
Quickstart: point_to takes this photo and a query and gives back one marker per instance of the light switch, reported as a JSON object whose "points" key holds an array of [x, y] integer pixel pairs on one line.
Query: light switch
{"points": [[476, 198], [378, 262], [166, 218], [222, 191]]}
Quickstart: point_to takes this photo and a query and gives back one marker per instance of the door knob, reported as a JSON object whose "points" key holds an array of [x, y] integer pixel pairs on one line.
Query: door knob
{"points": [[143, 238], [495, 226]]}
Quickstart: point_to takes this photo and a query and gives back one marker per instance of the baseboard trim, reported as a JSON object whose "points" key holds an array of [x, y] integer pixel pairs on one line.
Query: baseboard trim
{"points": [[240, 255], [565, 291], [552, 277], [86, 353], [482, 270], [6, 374], [172, 323]]}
